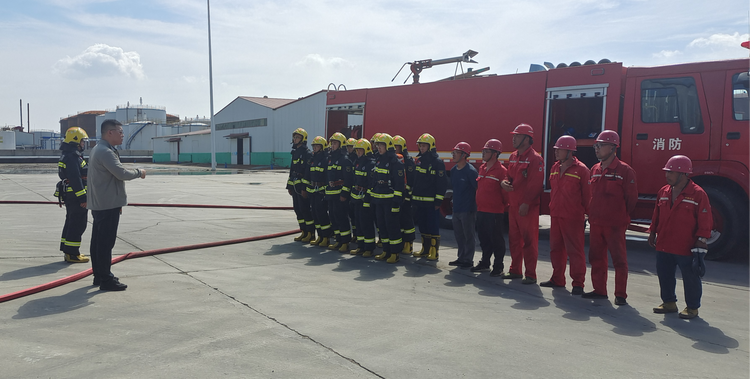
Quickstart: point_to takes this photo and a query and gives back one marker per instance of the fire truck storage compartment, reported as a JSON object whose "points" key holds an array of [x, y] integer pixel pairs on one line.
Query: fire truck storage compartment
{"points": [[576, 111], [339, 120]]}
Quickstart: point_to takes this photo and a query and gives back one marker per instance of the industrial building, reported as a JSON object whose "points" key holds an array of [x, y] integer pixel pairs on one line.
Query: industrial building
{"points": [[249, 131]]}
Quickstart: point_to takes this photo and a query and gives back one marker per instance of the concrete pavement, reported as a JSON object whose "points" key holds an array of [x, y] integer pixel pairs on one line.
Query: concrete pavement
{"points": [[277, 308]]}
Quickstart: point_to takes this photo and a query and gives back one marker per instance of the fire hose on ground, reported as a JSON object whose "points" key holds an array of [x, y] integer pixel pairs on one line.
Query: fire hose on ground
{"points": [[146, 253]]}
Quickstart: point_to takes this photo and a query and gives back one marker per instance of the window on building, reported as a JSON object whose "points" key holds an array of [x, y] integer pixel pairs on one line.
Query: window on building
{"points": [[243, 124], [672, 100]]}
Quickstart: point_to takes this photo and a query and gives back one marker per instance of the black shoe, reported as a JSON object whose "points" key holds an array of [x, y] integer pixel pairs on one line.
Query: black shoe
{"points": [[112, 285], [466, 264], [480, 267], [577, 291], [549, 283], [620, 300], [594, 295], [98, 281], [455, 263], [497, 271]]}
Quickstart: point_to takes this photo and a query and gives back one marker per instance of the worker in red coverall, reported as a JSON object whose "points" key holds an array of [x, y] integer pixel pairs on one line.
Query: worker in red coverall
{"points": [[680, 226], [614, 194], [491, 208], [524, 185], [569, 203]]}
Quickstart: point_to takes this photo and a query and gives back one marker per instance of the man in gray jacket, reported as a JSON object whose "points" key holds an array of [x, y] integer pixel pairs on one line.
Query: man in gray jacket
{"points": [[106, 197]]}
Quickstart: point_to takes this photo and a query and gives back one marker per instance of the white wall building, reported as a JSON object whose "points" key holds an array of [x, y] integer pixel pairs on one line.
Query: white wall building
{"points": [[249, 131]]}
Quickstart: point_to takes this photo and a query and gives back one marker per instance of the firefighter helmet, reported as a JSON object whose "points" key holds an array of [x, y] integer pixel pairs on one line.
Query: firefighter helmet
{"points": [[566, 143], [493, 144], [301, 132], [386, 139], [399, 141], [374, 137], [428, 139], [320, 141], [524, 129], [363, 144], [463, 146], [338, 137], [679, 163], [75, 135], [351, 142], [609, 136]]}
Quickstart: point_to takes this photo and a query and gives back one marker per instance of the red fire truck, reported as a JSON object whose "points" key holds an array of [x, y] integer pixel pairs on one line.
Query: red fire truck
{"points": [[697, 109]]}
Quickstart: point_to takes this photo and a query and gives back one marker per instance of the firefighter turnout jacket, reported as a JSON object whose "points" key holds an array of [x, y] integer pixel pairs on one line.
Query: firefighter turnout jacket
{"points": [[73, 172], [571, 192], [430, 181], [678, 225], [409, 165], [339, 174], [387, 182], [300, 158], [362, 171], [316, 172]]}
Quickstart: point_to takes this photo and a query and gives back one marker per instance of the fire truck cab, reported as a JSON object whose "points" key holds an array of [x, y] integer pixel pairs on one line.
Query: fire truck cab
{"points": [[697, 109]]}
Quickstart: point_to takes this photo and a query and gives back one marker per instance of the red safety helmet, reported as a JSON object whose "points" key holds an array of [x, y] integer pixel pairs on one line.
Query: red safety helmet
{"points": [[566, 143], [493, 144], [463, 146], [679, 163], [524, 129], [609, 136]]}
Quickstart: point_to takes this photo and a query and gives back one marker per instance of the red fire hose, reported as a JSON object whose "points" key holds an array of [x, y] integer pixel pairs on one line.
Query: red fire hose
{"points": [[164, 205], [146, 253]]}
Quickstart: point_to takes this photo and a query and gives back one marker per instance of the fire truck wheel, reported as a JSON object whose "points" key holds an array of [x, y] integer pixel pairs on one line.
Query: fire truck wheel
{"points": [[724, 241]]}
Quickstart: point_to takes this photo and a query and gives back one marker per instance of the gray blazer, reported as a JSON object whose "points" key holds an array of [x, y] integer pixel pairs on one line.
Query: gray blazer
{"points": [[106, 178]]}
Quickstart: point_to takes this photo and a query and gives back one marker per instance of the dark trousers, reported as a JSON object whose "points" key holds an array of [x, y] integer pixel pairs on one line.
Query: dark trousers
{"points": [[365, 221], [666, 267], [103, 237], [303, 212], [491, 239], [76, 219], [390, 227], [353, 219], [428, 219], [339, 212], [320, 213], [407, 222]]}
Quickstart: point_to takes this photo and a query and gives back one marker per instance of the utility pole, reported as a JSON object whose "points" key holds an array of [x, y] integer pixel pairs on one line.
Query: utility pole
{"points": [[211, 87]]}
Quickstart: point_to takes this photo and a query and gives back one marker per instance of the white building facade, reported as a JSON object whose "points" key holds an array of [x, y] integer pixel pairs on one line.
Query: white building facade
{"points": [[249, 131]]}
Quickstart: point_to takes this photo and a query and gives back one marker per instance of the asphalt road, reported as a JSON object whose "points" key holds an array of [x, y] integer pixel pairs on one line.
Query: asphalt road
{"points": [[277, 308]]}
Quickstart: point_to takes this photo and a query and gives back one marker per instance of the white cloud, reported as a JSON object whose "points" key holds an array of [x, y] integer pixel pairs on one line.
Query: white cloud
{"points": [[667, 54], [720, 40], [101, 60], [317, 60]]}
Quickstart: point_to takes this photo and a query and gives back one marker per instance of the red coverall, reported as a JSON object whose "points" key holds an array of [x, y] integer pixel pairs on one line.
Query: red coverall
{"points": [[569, 203], [678, 226], [614, 194], [526, 175]]}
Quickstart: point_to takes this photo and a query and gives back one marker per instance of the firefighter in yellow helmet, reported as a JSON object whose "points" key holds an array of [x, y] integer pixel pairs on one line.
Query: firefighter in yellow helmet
{"points": [[364, 214], [407, 216], [430, 183], [352, 155], [387, 195], [297, 183], [316, 186], [71, 190], [339, 177]]}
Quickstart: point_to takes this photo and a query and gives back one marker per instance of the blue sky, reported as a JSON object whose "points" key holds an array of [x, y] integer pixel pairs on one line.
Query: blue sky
{"points": [[67, 56]]}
